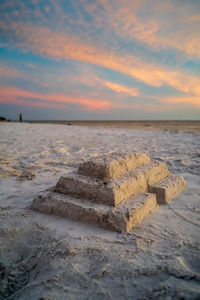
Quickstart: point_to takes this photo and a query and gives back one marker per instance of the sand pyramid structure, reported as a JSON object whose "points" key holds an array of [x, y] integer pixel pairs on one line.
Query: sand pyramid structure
{"points": [[116, 191]]}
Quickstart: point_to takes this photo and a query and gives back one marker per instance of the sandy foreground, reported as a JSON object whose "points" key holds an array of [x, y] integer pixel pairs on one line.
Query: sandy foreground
{"points": [[48, 257]]}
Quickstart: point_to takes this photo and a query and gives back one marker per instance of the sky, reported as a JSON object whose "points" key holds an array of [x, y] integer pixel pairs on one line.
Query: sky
{"points": [[100, 59]]}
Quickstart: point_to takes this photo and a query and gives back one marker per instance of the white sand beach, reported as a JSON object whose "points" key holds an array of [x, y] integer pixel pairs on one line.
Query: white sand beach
{"points": [[49, 257]]}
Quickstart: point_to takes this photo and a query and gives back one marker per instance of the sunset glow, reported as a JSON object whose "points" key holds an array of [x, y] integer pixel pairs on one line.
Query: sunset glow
{"points": [[100, 59]]}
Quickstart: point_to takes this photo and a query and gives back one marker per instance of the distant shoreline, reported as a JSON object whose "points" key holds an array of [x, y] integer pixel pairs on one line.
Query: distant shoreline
{"points": [[167, 125]]}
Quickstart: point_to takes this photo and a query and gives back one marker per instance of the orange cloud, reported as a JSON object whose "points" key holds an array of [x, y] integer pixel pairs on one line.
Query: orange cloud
{"points": [[181, 33], [86, 77], [121, 89], [194, 101], [166, 26], [45, 42]]}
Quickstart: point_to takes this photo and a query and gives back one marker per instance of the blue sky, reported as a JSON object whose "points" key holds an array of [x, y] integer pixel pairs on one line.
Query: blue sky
{"points": [[100, 59]]}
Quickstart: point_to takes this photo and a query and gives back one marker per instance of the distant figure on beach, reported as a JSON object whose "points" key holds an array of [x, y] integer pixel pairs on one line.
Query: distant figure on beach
{"points": [[20, 117]]}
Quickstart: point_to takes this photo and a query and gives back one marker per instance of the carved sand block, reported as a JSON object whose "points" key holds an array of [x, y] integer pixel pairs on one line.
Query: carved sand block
{"points": [[132, 212], [115, 192], [113, 165], [168, 189], [121, 218]]}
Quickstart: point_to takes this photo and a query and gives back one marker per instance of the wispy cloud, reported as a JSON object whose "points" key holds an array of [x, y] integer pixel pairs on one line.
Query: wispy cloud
{"points": [[15, 95], [165, 27], [101, 55], [118, 88], [60, 46], [85, 76], [186, 100], [93, 101], [8, 72]]}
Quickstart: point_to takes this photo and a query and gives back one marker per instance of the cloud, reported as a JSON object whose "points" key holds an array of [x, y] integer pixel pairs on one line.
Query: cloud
{"points": [[160, 25], [7, 72], [102, 34], [118, 88], [26, 73], [166, 27], [62, 46], [10, 95], [84, 75], [19, 96], [186, 100], [32, 103]]}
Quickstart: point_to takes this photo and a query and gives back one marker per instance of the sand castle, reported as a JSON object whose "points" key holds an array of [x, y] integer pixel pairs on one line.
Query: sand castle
{"points": [[116, 191]]}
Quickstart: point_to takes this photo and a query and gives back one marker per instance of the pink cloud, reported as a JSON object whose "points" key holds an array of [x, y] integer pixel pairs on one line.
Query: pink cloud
{"points": [[11, 95], [16, 101], [18, 96]]}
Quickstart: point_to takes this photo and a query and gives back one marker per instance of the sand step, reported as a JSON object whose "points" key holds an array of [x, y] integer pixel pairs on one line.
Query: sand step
{"points": [[121, 218], [168, 188], [113, 165], [113, 191]]}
